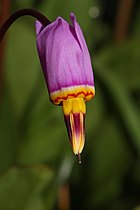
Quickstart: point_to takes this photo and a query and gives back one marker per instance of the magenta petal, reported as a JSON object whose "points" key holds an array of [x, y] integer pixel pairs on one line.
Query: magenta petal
{"points": [[38, 27], [86, 56], [64, 55]]}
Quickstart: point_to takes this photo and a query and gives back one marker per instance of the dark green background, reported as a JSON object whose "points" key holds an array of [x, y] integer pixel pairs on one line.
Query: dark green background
{"points": [[35, 155]]}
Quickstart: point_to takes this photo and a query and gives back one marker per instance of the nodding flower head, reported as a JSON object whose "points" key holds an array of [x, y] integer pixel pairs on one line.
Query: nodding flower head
{"points": [[68, 73]]}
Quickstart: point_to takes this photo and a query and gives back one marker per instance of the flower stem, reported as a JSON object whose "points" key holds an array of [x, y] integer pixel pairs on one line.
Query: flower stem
{"points": [[23, 12]]}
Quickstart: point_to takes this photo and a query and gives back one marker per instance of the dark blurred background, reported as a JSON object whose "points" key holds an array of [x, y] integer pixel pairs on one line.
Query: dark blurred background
{"points": [[38, 170]]}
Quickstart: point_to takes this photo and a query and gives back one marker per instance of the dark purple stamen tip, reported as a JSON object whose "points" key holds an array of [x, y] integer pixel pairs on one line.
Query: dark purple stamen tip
{"points": [[79, 158]]}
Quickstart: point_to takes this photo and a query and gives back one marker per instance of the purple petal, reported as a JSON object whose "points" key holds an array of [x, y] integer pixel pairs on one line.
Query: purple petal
{"points": [[86, 55], [38, 27], [63, 54]]}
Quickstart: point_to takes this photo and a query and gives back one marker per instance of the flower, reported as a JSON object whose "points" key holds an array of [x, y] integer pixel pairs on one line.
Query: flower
{"points": [[68, 73]]}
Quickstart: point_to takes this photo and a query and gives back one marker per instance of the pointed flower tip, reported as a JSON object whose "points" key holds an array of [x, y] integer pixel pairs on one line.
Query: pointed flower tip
{"points": [[59, 19], [72, 16], [74, 112], [38, 27]]}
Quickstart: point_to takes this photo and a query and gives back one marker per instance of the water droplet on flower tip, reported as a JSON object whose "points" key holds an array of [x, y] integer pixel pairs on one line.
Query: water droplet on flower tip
{"points": [[79, 158]]}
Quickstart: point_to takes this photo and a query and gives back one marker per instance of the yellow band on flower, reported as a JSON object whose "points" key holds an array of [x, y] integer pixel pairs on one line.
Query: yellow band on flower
{"points": [[82, 91], [74, 105]]}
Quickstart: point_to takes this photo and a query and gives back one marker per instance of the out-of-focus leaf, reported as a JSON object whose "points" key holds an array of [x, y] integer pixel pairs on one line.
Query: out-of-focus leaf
{"points": [[21, 64], [8, 144], [124, 61], [137, 208], [40, 145], [21, 188], [123, 102], [45, 135], [108, 162], [95, 110]]}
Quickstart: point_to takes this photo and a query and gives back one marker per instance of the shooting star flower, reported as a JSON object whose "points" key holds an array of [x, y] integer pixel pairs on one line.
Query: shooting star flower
{"points": [[68, 73]]}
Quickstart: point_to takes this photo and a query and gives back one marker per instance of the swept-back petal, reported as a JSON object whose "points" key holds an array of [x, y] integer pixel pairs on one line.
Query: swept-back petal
{"points": [[86, 56], [61, 56], [38, 27]]}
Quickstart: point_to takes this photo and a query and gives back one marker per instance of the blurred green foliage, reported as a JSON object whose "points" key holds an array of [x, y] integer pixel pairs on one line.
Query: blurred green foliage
{"points": [[35, 155]]}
